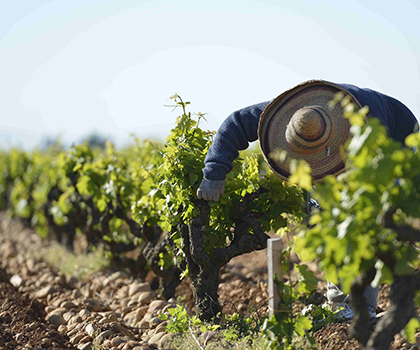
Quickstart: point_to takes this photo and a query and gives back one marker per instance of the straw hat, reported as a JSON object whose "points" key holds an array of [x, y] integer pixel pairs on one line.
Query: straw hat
{"points": [[301, 122]]}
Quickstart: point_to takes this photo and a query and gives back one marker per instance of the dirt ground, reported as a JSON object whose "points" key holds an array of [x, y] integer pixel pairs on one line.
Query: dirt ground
{"points": [[22, 323], [28, 309]]}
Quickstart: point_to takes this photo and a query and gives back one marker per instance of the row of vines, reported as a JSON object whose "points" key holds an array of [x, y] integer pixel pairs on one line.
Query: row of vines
{"points": [[143, 199]]}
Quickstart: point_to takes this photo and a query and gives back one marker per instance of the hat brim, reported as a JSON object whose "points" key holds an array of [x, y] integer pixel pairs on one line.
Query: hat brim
{"points": [[324, 159]]}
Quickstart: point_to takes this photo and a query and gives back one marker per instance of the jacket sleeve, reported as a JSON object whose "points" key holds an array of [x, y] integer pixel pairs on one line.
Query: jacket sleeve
{"points": [[405, 123], [395, 116], [236, 132]]}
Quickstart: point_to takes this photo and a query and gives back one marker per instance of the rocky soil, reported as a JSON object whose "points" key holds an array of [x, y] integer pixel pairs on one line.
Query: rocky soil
{"points": [[40, 308]]}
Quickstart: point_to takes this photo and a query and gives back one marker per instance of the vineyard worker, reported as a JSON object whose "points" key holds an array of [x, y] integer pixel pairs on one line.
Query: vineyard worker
{"points": [[301, 122]]}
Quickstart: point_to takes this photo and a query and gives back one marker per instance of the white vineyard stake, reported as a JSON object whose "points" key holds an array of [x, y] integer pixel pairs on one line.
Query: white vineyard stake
{"points": [[274, 249]]}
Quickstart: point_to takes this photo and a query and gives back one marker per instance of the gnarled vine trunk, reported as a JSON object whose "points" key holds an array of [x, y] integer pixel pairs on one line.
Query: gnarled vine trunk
{"points": [[402, 309], [402, 294], [204, 266]]}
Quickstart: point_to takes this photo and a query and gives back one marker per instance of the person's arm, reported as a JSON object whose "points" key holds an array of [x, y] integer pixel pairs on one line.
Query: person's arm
{"points": [[235, 134], [405, 123], [394, 115]]}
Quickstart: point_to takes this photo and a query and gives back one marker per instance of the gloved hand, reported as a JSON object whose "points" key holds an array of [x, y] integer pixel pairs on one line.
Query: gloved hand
{"points": [[211, 190]]}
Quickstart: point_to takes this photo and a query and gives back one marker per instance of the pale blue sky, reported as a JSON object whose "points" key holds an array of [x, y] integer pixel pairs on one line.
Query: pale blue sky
{"points": [[71, 67]]}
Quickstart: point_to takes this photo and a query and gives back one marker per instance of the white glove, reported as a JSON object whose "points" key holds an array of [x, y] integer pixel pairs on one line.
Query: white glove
{"points": [[211, 190]]}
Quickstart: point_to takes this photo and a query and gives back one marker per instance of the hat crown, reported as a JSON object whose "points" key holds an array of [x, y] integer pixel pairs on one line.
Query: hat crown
{"points": [[307, 123]]}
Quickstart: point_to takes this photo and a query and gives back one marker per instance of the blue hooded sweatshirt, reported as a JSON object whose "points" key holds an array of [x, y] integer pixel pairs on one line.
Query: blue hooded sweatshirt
{"points": [[241, 127]]}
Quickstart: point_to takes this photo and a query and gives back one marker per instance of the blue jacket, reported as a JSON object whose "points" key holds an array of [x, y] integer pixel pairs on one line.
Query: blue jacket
{"points": [[241, 127]]}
